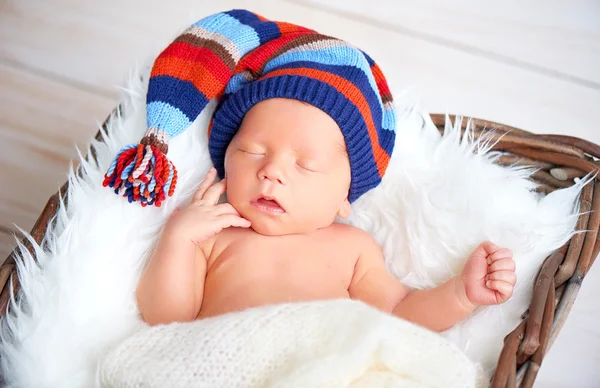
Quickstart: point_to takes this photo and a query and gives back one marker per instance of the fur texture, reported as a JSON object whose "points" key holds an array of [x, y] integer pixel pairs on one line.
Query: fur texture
{"points": [[437, 201]]}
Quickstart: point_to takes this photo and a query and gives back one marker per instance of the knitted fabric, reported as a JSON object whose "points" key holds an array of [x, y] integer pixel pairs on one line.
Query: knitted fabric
{"points": [[240, 59], [331, 343]]}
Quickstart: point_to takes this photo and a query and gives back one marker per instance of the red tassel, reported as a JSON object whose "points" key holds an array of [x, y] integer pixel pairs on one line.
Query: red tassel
{"points": [[131, 159]]}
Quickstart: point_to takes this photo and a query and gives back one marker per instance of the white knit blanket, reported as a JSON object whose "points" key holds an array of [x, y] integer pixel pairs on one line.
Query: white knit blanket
{"points": [[335, 343]]}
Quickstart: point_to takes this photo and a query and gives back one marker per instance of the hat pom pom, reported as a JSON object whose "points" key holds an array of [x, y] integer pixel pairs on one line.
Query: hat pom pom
{"points": [[142, 173]]}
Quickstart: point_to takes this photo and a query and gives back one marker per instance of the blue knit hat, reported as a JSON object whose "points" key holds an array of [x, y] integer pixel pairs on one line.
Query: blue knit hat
{"points": [[241, 59]]}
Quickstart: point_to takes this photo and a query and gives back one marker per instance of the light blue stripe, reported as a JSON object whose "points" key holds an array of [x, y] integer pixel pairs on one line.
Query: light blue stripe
{"points": [[167, 118], [113, 165], [389, 120], [340, 56], [235, 83], [244, 37], [127, 170], [169, 180], [152, 183], [142, 187]]}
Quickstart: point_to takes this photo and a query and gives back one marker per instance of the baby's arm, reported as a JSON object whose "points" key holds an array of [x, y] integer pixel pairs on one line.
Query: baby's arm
{"points": [[442, 307], [172, 285]]}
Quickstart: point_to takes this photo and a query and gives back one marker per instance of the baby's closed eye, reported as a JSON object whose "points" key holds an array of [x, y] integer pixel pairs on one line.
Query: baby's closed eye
{"points": [[252, 151], [308, 166]]}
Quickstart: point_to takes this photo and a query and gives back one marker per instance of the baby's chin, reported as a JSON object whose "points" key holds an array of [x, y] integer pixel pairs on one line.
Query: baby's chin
{"points": [[266, 228], [272, 229], [277, 225]]}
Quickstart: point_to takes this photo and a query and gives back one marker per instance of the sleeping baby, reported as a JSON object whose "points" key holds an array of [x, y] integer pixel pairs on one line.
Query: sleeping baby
{"points": [[287, 178], [304, 126]]}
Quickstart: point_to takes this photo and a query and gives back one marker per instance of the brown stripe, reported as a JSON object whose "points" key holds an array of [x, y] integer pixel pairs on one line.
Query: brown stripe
{"points": [[302, 40], [154, 141], [385, 98], [210, 44], [328, 42]]}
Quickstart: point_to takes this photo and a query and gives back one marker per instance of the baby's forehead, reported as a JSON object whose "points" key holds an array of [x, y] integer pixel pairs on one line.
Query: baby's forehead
{"points": [[309, 142], [292, 123]]}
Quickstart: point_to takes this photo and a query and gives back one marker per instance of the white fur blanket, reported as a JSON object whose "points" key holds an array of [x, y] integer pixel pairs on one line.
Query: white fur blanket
{"points": [[326, 344], [437, 202]]}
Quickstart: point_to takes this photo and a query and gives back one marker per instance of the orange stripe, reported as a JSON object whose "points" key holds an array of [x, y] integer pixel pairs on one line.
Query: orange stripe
{"points": [[352, 93], [202, 78], [286, 28]]}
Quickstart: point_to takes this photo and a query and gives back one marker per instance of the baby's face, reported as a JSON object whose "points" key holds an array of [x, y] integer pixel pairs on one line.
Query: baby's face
{"points": [[287, 168]]}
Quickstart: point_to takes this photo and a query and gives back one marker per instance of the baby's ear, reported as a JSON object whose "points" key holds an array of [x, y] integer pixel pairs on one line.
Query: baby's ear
{"points": [[345, 209]]}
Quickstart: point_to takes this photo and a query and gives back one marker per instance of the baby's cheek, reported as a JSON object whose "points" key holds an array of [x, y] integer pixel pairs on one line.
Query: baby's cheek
{"points": [[235, 197], [317, 211]]}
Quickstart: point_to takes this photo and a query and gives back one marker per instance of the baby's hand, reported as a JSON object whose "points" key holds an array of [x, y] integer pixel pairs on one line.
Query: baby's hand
{"points": [[203, 218], [489, 275]]}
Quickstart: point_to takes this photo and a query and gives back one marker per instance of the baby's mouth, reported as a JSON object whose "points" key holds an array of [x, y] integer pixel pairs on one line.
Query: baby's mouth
{"points": [[269, 205]]}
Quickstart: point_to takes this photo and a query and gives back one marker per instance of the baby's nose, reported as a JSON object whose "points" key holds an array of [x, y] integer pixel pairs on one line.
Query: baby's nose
{"points": [[273, 172]]}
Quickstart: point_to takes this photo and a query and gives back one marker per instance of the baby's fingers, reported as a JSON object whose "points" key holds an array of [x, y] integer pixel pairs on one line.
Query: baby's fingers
{"points": [[486, 248], [504, 276], [227, 220], [226, 208], [208, 180], [213, 193], [483, 250], [502, 253], [504, 289], [502, 265]]}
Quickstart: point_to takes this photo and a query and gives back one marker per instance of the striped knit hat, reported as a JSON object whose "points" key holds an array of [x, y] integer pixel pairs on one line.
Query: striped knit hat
{"points": [[240, 59]]}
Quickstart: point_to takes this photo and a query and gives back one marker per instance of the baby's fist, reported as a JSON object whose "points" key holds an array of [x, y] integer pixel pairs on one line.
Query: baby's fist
{"points": [[489, 275]]}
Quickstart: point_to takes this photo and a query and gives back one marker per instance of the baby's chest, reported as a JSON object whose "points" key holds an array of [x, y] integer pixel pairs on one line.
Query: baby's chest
{"points": [[289, 259]]}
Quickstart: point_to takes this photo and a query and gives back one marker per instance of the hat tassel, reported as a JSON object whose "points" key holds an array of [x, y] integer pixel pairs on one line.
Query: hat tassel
{"points": [[142, 173]]}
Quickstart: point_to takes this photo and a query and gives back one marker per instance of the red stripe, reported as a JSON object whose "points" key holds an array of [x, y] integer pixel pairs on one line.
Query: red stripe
{"points": [[383, 87], [257, 58], [173, 181], [202, 55], [194, 72], [380, 81]]}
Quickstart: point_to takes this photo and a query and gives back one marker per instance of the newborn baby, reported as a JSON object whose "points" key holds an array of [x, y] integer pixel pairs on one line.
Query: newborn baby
{"points": [[304, 125], [277, 240]]}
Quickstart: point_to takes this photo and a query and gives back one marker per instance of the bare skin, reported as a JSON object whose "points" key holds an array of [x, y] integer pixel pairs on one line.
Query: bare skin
{"points": [[276, 241]]}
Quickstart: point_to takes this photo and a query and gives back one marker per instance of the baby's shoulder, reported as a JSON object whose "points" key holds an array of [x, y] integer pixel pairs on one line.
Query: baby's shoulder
{"points": [[358, 239], [349, 233]]}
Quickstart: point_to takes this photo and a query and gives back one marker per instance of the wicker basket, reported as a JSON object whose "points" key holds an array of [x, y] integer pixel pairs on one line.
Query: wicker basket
{"points": [[560, 277]]}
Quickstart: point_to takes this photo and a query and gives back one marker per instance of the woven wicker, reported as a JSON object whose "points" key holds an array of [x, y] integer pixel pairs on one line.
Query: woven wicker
{"points": [[560, 160]]}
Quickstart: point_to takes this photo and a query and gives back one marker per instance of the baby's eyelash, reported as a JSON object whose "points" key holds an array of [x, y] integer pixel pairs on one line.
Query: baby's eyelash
{"points": [[305, 168], [251, 153]]}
